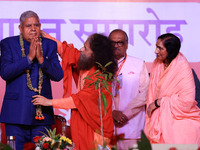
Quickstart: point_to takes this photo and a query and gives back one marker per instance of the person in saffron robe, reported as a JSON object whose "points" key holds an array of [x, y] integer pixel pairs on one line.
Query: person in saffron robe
{"points": [[173, 116], [85, 120]]}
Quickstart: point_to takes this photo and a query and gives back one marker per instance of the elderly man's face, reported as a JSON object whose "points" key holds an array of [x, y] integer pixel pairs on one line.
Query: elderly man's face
{"points": [[30, 28], [119, 43]]}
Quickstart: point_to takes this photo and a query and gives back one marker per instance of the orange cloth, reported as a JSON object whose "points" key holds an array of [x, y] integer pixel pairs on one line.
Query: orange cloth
{"points": [[177, 120], [85, 120], [68, 103], [70, 57]]}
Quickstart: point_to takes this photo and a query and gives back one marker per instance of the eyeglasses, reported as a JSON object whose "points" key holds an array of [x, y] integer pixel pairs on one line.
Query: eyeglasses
{"points": [[119, 43]]}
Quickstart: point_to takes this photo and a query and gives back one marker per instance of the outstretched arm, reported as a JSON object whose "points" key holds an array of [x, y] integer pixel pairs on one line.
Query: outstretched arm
{"points": [[63, 103], [41, 100], [59, 44]]}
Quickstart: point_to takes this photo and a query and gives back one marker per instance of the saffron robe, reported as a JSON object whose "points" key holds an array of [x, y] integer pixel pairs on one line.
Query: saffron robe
{"points": [[177, 120], [85, 120]]}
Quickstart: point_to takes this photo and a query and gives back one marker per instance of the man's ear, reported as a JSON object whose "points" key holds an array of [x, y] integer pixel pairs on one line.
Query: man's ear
{"points": [[20, 28], [126, 46]]}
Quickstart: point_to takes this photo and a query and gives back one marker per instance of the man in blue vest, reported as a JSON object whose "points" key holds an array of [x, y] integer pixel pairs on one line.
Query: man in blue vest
{"points": [[28, 63]]}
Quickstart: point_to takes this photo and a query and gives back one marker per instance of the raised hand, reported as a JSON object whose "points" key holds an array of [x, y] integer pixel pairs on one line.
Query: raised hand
{"points": [[32, 48], [39, 54], [42, 33]]}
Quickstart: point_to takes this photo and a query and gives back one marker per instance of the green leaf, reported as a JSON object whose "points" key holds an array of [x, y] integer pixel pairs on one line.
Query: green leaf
{"points": [[110, 94], [51, 133], [54, 132], [88, 78], [104, 102], [99, 64], [108, 64], [105, 85], [144, 144], [96, 85], [110, 85], [110, 75], [99, 75], [91, 84], [106, 77], [96, 72]]}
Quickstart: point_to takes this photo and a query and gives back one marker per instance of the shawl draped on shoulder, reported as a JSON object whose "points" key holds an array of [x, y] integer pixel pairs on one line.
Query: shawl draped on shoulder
{"points": [[70, 57], [177, 120]]}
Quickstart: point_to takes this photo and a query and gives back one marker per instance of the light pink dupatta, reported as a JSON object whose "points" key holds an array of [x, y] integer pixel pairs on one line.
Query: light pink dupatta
{"points": [[177, 120]]}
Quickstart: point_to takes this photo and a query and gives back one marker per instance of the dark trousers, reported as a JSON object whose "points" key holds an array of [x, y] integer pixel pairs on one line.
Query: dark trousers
{"points": [[24, 133]]}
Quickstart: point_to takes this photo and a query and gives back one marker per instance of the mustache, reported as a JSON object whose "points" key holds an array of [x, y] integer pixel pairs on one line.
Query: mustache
{"points": [[85, 62], [116, 48]]}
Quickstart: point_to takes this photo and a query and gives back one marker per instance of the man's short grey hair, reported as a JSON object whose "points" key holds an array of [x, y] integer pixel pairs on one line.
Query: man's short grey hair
{"points": [[28, 14]]}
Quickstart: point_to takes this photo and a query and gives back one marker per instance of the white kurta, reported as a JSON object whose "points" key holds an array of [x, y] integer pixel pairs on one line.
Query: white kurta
{"points": [[134, 80]]}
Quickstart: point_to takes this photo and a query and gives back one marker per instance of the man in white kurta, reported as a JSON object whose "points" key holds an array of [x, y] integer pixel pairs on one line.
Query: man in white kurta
{"points": [[130, 93]]}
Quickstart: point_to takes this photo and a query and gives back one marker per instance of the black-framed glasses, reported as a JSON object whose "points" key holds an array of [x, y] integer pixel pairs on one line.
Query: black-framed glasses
{"points": [[119, 43]]}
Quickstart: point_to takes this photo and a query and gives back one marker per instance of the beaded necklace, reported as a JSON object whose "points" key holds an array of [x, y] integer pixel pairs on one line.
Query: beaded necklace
{"points": [[39, 115], [29, 83]]}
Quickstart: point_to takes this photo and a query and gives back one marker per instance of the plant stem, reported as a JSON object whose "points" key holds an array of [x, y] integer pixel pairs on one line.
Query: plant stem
{"points": [[100, 114]]}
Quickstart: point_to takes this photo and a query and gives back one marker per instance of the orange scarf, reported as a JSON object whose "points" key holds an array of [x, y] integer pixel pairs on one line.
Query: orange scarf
{"points": [[70, 57]]}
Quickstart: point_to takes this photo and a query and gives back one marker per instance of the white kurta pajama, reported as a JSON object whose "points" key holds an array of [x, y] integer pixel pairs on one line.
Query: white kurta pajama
{"points": [[131, 99]]}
